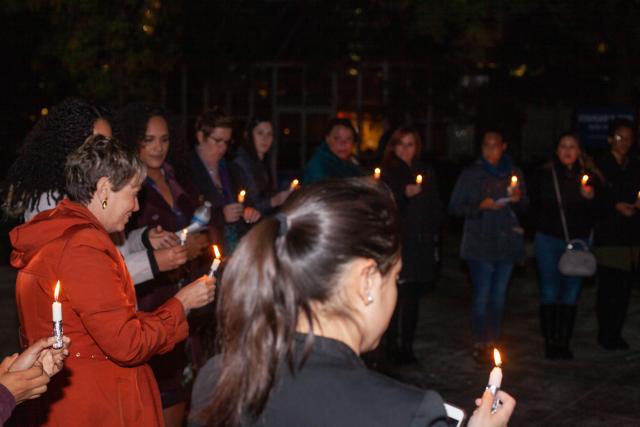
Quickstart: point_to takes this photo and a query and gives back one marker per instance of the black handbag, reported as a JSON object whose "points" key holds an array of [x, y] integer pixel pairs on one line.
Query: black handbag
{"points": [[577, 260]]}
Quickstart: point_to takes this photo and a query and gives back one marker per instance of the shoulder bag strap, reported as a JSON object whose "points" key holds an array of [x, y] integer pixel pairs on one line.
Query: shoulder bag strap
{"points": [[560, 205]]}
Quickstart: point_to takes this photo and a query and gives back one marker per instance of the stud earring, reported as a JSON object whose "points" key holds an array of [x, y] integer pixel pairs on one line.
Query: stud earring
{"points": [[104, 204], [369, 299]]}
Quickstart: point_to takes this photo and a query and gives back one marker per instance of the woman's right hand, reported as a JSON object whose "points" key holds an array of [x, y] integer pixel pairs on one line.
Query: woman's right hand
{"points": [[197, 293], [412, 189], [170, 258], [626, 209], [482, 416], [233, 212]]}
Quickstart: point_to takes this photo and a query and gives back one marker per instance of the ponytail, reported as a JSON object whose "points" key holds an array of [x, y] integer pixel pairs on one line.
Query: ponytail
{"points": [[282, 266]]}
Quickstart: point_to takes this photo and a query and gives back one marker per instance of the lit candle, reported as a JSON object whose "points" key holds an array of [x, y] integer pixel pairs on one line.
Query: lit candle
{"points": [[638, 197], [495, 379], [241, 196], [56, 313], [513, 185], [183, 236], [216, 261], [294, 184], [376, 173], [419, 179], [585, 179]]}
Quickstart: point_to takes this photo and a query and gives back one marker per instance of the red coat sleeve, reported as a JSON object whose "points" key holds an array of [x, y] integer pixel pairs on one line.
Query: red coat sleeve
{"points": [[99, 290]]}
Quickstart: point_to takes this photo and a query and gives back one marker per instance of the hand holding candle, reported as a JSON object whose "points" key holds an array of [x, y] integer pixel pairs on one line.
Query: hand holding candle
{"points": [[216, 261], [56, 312]]}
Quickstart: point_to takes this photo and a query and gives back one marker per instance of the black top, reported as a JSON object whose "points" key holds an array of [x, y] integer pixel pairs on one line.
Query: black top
{"points": [[580, 212], [420, 217], [335, 389], [622, 183], [250, 173]]}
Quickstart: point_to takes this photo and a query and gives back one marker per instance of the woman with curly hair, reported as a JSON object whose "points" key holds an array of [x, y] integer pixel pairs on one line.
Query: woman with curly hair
{"points": [[36, 182], [36, 179]]}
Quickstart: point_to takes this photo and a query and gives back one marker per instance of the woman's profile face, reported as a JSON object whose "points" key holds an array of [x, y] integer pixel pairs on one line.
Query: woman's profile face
{"points": [[262, 138], [155, 145], [341, 141], [102, 127], [568, 150], [405, 149], [120, 205]]}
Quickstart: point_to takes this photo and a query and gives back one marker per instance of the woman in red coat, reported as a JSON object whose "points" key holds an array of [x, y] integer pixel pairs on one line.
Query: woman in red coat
{"points": [[105, 381]]}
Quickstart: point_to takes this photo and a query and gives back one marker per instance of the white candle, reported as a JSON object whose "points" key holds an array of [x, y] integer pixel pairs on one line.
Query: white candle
{"points": [[183, 236], [585, 179], [56, 314], [513, 185], [241, 196], [216, 261], [56, 307], [495, 377], [376, 173]]}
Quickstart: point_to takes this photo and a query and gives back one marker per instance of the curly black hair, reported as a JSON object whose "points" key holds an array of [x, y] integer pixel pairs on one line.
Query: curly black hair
{"points": [[39, 167]]}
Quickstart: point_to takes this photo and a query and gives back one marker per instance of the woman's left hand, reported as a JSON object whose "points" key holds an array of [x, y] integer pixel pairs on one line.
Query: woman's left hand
{"points": [[587, 192], [250, 215], [161, 239]]}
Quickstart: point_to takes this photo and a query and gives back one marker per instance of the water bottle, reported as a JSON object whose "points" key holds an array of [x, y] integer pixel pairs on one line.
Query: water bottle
{"points": [[200, 217]]}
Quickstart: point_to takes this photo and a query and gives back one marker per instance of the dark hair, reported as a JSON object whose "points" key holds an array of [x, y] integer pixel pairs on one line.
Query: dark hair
{"points": [[132, 123], [39, 167], [584, 160], [98, 157], [342, 122], [617, 123], [328, 225], [394, 140], [213, 118], [248, 143]]}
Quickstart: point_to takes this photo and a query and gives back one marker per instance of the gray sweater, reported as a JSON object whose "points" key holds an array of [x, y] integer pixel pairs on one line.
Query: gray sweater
{"points": [[488, 235]]}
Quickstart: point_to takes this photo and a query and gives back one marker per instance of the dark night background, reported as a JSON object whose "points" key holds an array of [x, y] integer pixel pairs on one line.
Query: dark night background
{"points": [[452, 67]]}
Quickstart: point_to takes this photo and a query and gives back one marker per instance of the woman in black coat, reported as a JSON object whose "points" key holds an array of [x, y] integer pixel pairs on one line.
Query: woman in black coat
{"points": [[250, 168], [420, 212]]}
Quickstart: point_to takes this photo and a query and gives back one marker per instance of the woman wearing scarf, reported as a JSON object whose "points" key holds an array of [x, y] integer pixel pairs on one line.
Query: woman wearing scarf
{"points": [[487, 195]]}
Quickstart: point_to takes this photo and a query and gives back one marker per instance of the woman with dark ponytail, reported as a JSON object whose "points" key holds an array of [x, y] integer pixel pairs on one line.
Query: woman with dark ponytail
{"points": [[318, 292]]}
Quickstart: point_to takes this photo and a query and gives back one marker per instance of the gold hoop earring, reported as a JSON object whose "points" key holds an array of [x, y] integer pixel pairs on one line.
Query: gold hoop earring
{"points": [[104, 204]]}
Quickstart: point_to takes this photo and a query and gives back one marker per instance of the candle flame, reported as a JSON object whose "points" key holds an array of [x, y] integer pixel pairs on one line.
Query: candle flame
{"points": [[376, 173], [216, 251], [241, 195], [496, 357], [514, 180], [419, 179], [294, 184], [585, 178], [56, 292]]}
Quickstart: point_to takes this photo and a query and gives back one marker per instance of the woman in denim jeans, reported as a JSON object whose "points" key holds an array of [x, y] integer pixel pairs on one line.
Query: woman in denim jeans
{"points": [[559, 293], [487, 195]]}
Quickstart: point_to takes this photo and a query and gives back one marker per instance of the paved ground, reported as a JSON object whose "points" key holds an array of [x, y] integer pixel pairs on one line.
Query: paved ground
{"points": [[598, 388]]}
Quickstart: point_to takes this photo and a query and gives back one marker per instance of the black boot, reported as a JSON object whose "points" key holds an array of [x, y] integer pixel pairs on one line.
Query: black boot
{"points": [[567, 319], [548, 327]]}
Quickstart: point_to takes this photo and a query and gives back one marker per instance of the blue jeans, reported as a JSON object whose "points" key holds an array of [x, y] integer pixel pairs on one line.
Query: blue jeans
{"points": [[489, 279], [555, 288]]}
